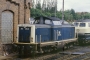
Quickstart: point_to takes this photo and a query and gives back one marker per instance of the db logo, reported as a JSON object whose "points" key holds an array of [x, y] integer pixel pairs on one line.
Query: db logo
{"points": [[59, 33]]}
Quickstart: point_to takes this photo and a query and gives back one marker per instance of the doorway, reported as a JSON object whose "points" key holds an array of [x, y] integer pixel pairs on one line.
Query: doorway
{"points": [[7, 27]]}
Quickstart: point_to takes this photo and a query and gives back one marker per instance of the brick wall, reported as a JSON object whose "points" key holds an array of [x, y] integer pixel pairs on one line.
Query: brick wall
{"points": [[20, 14]]}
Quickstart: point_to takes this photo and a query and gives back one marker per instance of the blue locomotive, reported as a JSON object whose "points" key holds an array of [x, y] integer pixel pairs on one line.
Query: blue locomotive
{"points": [[46, 34]]}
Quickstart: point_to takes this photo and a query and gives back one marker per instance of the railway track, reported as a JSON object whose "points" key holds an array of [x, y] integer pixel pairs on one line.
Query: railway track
{"points": [[77, 53]]}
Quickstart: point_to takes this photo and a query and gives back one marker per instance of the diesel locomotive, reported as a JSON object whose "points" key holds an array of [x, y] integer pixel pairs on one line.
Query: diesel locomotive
{"points": [[82, 28], [44, 35]]}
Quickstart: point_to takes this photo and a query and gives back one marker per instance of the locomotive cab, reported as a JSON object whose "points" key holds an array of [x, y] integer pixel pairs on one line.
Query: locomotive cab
{"points": [[42, 20], [47, 20]]}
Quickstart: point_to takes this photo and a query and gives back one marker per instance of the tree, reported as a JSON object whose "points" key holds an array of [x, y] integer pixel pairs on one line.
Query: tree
{"points": [[38, 6], [73, 14], [48, 9]]}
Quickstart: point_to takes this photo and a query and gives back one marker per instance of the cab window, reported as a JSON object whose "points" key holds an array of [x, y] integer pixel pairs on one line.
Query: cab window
{"points": [[57, 23], [82, 24], [89, 24], [37, 21], [76, 24], [48, 21]]}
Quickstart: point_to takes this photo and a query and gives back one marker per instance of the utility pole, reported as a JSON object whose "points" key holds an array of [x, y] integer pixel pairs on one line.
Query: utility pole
{"points": [[63, 10], [55, 7], [63, 17]]}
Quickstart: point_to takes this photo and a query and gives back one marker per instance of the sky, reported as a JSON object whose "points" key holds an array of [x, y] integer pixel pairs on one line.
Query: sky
{"points": [[77, 5]]}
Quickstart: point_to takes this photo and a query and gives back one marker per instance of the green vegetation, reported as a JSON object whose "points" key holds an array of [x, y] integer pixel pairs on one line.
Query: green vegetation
{"points": [[69, 15]]}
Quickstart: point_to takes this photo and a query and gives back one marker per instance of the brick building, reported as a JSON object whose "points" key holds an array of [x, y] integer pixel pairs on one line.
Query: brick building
{"points": [[12, 13]]}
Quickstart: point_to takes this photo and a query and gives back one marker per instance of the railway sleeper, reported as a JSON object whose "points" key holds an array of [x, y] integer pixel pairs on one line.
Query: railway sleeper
{"points": [[46, 49], [69, 45]]}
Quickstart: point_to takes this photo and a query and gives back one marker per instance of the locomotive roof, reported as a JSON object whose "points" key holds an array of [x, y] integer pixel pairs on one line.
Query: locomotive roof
{"points": [[85, 20], [51, 18]]}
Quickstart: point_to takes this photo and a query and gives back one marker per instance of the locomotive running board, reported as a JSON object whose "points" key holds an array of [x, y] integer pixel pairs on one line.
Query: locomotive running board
{"points": [[62, 41], [51, 42]]}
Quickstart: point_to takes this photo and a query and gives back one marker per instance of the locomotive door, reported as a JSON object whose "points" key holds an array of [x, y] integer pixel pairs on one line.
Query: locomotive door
{"points": [[7, 27], [24, 34]]}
